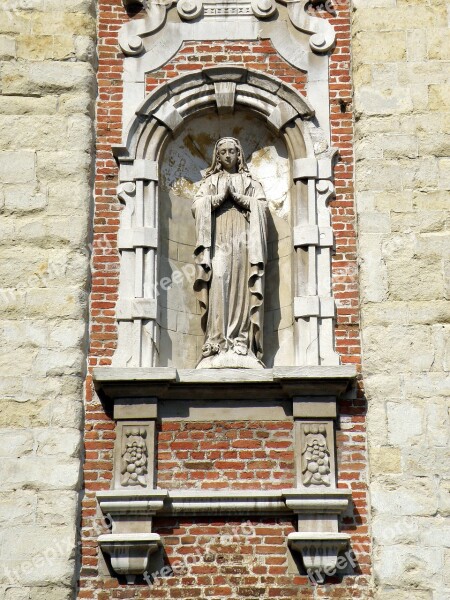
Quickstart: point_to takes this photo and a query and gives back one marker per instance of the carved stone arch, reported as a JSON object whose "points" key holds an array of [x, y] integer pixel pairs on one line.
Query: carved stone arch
{"points": [[160, 116]]}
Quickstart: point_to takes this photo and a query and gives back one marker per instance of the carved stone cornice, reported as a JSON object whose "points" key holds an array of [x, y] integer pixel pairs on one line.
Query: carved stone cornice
{"points": [[167, 382]]}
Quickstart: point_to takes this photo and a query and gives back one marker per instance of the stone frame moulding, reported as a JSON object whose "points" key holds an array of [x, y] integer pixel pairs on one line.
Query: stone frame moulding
{"points": [[160, 116], [302, 40]]}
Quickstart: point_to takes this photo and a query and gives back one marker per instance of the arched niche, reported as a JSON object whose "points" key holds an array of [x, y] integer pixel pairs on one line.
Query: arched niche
{"points": [[163, 140], [184, 159]]}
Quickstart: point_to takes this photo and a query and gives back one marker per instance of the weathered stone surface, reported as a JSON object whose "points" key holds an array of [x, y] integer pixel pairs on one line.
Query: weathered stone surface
{"points": [[406, 530], [17, 507], [40, 473], [7, 47], [56, 509], [410, 566], [402, 181], [46, 109], [45, 77], [385, 459], [411, 497], [39, 570], [13, 592], [9, 173], [399, 594]]}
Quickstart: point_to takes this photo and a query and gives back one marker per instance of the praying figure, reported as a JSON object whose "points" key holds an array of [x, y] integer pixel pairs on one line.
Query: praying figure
{"points": [[231, 226]]}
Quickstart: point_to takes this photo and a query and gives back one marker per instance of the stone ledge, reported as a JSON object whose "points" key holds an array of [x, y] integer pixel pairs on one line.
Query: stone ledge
{"points": [[126, 502], [170, 383], [169, 502]]}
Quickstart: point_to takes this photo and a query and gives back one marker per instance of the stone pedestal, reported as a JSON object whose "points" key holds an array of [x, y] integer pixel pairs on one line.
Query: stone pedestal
{"points": [[307, 395]]}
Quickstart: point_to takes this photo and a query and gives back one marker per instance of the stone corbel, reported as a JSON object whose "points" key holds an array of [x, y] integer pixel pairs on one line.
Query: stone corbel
{"points": [[132, 502], [129, 552], [319, 551], [131, 541]]}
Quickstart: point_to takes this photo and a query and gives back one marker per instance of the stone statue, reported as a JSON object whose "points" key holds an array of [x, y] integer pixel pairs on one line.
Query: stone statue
{"points": [[230, 217]]}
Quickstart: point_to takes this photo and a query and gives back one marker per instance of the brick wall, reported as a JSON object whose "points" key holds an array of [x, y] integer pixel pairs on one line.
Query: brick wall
{"points": [[237, 455], [223, 454]]}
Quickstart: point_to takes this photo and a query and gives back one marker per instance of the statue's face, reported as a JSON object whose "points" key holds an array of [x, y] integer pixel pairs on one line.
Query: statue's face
{"points": [[228, 155]]}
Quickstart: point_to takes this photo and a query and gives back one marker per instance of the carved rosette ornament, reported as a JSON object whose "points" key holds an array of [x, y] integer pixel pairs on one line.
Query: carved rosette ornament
{"points": [[134, 458], [315, 456]]}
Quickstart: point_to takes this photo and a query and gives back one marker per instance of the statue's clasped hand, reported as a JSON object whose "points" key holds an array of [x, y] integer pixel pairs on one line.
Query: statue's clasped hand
{"points": [[237, 198]]}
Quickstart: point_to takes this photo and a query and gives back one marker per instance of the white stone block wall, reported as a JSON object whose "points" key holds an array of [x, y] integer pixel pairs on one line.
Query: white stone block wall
{"points": [[401, 62], [47, 82]]}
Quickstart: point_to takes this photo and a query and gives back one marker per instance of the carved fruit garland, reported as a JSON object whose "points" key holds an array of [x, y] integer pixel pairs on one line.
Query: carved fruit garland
{"points": [[315, 456], [134, 458]]}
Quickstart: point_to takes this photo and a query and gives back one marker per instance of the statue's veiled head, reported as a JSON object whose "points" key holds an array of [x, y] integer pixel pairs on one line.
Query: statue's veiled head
{"points": [[228, 155]]}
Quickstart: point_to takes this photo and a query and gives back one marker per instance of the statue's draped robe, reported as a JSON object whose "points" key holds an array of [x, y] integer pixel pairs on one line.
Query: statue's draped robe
{"points": [[230, 256]]}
